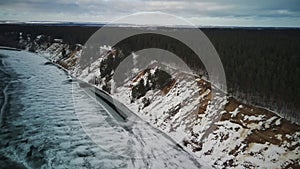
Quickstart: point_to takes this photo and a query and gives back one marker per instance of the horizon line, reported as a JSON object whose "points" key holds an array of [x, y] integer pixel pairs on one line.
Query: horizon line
{"points": [[95, 23]]}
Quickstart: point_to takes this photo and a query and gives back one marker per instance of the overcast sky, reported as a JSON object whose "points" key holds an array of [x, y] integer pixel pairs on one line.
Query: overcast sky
{"points": [[279, 13]]}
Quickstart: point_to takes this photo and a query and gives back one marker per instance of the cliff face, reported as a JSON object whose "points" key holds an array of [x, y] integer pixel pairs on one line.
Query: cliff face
{"points": [[221, 130]]}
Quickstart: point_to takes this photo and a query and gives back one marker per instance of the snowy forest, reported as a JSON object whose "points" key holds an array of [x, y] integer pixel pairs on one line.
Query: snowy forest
{"points": [[262, 65]]}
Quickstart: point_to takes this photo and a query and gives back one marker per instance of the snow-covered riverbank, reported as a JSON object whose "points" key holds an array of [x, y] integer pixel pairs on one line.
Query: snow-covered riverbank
{"points": [[244, 136], [43, 121]]}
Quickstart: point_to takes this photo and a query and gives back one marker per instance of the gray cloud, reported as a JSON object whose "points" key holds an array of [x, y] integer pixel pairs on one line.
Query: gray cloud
{"points": [[105, 10]]}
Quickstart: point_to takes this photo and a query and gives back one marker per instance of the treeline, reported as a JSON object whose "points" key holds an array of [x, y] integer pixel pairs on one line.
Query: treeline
{"points": [[150, 40], [262, 66], [10, 33]]}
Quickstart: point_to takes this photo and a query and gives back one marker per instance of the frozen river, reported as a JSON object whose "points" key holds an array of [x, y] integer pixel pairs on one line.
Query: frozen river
{"points": [[40, 126]]}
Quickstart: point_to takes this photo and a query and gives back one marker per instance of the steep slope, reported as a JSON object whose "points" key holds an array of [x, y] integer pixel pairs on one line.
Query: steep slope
{"points": [[221, 130]]}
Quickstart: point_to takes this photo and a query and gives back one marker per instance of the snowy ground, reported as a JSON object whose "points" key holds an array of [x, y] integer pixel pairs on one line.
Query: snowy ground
{"points": [[222, 131]]}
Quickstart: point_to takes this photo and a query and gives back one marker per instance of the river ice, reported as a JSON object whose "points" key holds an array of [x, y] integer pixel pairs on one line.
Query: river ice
{"points": [[40, 126]]}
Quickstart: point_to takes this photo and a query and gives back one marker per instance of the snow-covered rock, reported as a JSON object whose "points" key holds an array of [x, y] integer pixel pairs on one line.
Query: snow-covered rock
{"points": [[222, 131]]}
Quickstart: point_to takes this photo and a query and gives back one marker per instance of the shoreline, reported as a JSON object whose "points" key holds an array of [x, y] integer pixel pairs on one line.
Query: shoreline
{"points": [[122, 111], [9, 48], [92, 88]]}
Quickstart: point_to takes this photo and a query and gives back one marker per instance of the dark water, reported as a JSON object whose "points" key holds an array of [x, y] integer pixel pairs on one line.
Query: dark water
{"points": [[40, 126]]}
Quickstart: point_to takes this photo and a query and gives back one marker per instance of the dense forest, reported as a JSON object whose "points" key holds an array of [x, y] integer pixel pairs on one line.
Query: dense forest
{"points": [[262, 66]]}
